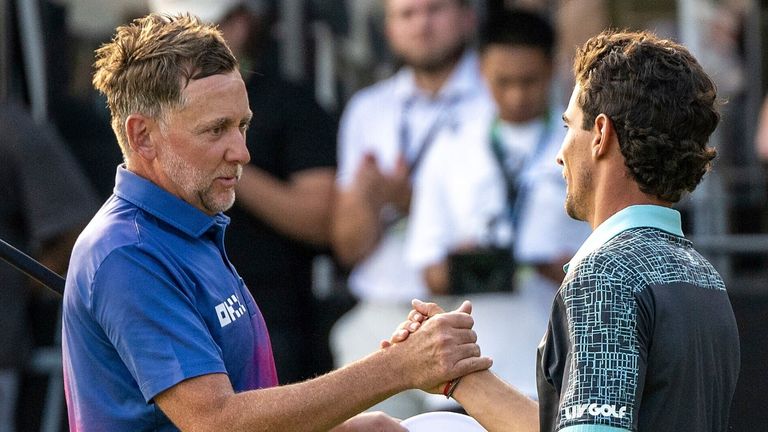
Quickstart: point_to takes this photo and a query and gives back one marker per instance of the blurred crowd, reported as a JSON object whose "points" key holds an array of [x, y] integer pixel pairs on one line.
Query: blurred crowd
{"points": [[399, 149]]}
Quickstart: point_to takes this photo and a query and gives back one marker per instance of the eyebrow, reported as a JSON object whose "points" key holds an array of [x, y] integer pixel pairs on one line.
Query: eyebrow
{"points": [[221, 122], [211, 125]]}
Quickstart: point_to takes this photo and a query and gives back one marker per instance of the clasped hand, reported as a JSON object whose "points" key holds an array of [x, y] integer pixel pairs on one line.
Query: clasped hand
{"points": [[417, 318]]}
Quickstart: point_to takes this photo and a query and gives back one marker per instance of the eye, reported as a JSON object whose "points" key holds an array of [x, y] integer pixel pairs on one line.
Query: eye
{"points": [[217, 131]]}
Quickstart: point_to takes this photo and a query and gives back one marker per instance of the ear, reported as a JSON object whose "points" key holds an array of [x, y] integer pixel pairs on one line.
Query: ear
{"points": [[138, 129], [603, 136]]}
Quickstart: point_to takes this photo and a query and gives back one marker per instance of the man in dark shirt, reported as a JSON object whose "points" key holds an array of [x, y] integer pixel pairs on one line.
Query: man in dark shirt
{"points": [[46, 200], [642, 335]]}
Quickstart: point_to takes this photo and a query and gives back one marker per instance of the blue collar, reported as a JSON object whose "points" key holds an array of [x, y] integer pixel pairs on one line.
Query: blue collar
{"points": [[637, 216], [165, 206]]}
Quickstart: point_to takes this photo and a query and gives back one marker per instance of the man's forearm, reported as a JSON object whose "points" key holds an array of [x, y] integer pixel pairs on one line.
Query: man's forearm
{"points": [[496, 405], [324, 402], [355, 227], [442, 350], [300, 209], [208, 402]]}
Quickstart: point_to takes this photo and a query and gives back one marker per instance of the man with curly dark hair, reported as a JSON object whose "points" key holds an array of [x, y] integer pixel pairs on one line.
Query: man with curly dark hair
{"points": [[661, 105], [642, 335]]}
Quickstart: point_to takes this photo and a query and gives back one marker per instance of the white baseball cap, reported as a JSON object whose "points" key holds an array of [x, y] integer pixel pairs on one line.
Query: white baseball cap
{"points": [[210, 11]]}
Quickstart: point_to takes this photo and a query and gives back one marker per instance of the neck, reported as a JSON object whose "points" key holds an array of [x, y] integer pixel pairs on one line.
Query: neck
{"points": [[621, 192], [431, 81]]}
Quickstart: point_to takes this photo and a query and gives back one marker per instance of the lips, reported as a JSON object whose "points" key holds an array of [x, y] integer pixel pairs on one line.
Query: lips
{"points": [[227, 181], [230, 179]]}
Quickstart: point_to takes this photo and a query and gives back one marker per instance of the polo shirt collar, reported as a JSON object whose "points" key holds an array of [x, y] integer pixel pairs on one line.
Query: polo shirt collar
{"points": [[637, 216], [165, 206], [463, 80]]}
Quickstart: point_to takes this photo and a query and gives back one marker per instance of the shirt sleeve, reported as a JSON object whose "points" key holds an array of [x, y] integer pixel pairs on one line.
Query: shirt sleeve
{"points": [[604, 371], [429, 225], [350, 148], [150, 318]]}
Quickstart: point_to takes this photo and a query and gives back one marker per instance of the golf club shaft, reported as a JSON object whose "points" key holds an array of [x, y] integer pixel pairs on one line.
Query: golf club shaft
{"points": [[31, 267]]}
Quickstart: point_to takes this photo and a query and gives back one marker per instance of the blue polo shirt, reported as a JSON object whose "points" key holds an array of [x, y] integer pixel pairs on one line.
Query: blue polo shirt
{"points": [[151, 300], [642, 335]]}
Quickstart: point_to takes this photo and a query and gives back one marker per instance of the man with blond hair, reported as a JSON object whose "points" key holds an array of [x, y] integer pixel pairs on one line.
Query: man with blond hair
{"points": [[159, 331]]}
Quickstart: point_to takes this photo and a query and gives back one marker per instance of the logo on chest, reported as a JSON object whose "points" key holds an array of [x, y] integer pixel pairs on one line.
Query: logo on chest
{"points": [[595, 410], [229, 310]]}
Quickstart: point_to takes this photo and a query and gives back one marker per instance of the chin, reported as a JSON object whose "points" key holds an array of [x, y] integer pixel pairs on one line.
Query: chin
{"points": [[221, 205], [572, 210]]}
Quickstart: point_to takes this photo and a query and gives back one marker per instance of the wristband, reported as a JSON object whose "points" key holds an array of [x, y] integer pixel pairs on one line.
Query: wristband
{"points": [[450, 387], [447, 387]]}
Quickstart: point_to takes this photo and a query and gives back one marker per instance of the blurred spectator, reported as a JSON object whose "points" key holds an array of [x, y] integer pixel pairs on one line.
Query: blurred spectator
{"points": [[79, 114], [46, 201], [761, 138], [492, 189], [284, 198], [386, 131], [575, 21]]}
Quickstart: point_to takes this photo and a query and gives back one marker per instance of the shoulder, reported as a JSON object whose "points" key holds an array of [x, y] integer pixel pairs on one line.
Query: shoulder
{"points": [[118, 225], [371, 97], [611, 269], [120, 245], [639, 257]]}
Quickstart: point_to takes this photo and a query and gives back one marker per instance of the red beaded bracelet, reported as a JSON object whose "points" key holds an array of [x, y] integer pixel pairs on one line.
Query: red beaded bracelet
{"points": [[447, 387], [450, 387]]}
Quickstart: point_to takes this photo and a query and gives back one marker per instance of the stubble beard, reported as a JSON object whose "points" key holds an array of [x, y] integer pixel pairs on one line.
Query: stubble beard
{"points": [[195, 182], [571, 208], [436, 63], [575, 204]]}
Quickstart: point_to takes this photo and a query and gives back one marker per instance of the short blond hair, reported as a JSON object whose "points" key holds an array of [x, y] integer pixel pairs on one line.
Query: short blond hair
{"points": [[149, 61]]}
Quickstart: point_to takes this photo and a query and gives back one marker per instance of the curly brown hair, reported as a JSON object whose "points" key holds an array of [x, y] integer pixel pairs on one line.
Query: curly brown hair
{"points": [[662, 105], [149, 61]]}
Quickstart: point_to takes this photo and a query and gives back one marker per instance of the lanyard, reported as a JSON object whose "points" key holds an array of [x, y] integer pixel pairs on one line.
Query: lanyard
{"points": [[391, 217], [515, 180], [443, 118]]}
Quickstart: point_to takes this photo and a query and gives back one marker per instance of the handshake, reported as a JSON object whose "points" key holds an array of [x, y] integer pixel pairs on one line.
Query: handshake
{"points": [[436, 348], [431, 350]]}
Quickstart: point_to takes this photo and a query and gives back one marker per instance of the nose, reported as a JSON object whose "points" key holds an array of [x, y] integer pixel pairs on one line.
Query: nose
{"points": [[238, 151], [559, 157]]}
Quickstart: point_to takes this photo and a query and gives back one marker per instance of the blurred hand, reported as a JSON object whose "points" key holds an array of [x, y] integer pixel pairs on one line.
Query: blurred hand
{"points": [[370, 181], [398, 189]]}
